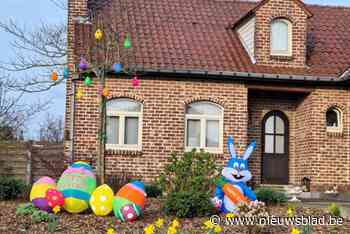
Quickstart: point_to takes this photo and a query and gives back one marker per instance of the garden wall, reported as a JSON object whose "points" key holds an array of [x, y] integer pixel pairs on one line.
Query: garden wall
{"points": [[30, 161]]}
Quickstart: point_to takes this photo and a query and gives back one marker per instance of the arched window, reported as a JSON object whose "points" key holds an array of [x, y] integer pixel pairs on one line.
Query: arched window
{"points": [[281, 37], [334, 120], [124, 124], [204, 126]]}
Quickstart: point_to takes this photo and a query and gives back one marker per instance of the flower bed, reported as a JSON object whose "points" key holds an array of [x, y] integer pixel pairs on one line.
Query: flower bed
{"points": [[89, 223]]}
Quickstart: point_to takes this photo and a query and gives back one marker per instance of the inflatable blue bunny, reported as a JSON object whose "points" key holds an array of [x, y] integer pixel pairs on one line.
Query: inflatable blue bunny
{"points": [[236, 174]]}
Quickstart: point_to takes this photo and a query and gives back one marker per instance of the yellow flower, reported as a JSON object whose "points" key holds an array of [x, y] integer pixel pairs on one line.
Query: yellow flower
{"points": [[217, 229], [56, 209], [175, 223], [110, 231], [172, 230], [230, 215], [295, 231], [208, 224], [290, 212], [159, 223], [149, 229]]}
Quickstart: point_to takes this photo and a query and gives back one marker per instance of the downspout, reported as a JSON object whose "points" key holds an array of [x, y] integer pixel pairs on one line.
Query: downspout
{"points": [[72, 123]]}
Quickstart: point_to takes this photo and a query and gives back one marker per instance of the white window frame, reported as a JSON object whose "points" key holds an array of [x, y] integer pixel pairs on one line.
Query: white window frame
{"points": [[203, 123], [122, 115], [290, 39], [339, 113]]}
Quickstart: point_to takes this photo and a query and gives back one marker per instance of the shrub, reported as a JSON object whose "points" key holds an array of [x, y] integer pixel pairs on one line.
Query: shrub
{"points": [[11, 188], [270, 196], [118, 180], [153, 190], [186, 183], [334, 210]]}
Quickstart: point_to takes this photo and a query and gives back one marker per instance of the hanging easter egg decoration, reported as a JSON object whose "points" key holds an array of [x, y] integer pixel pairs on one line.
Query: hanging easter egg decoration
{"points": [[83, 64], [117, 67], [98, 35], [105, 92], [54, 76], [79, 93], [127, 42], [65, 73], [135, 82], [87, 81]]}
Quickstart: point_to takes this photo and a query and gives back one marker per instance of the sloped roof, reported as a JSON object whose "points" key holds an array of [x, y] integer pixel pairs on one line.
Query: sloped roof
{"points": [[197, 34]]}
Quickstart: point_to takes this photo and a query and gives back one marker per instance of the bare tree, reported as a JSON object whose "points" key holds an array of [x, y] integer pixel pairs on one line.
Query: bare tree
{"points": [[14, 113], [36, 52], [51, 129]]}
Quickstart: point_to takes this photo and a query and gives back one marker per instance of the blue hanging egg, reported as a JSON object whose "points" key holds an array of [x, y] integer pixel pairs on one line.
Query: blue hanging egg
{"points": [[65, 73], [117, 67]]}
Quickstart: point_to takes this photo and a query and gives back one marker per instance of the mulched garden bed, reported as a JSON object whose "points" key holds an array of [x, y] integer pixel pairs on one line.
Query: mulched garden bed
{"points": [[89, 223]]}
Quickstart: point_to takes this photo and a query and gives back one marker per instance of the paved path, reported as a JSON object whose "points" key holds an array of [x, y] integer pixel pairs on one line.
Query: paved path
{"points": [[344, 206]]}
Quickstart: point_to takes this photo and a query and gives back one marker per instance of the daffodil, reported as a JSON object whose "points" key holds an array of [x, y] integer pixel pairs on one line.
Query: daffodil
{"points": [[290, 212], [149, 229], [230, 215], [172, 230], [217, 229], [159, 223], [208, 224], [295, 231], [110, 231], [175, 223]]}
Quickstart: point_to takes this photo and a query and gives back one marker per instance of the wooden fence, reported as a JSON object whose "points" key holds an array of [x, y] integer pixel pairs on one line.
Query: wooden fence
{"points": [[30, 161]]}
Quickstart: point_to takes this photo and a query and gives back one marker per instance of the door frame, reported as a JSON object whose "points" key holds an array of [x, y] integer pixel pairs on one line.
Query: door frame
{"points": [[284, 117]]}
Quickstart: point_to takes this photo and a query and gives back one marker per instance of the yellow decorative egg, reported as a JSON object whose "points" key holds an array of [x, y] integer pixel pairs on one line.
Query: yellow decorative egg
{"points": [[101, 200], [38, 192]]}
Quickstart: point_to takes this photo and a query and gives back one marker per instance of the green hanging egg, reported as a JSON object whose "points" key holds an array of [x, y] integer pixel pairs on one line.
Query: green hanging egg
{"points": [[88, 81], [127, 43]]}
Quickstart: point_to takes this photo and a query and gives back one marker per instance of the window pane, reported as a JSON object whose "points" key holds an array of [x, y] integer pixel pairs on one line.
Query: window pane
{"points": [[279, 36], [112, 128], [332, 118], [131, 130], [203, 108], [123, 104], [268, 144], [193, 133], [279, 144], [269, 125], [212, 133], [279, 125]]}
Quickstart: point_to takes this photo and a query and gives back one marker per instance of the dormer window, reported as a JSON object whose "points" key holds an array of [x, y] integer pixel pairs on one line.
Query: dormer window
{"points": [[281, 37]]}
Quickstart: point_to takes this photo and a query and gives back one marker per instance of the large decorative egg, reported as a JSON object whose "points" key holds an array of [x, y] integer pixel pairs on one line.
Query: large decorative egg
{"points": [[38, 193], [77, 184], [129, 202], [101, 200]]}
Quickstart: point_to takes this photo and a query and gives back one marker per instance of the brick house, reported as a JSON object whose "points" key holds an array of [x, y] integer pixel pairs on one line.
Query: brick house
{"points": [[276, 71]]}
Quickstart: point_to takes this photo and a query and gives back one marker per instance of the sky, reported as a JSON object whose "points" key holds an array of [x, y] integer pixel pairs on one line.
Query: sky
{"points": [[31, 13]]}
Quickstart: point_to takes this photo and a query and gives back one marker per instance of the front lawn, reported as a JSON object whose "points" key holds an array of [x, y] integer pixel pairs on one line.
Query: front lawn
{"points": [[89, 223]]}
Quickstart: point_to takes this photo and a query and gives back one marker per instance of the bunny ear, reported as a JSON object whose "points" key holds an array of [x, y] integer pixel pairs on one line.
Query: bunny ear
{"points": [[249, 150], [231, 147]]}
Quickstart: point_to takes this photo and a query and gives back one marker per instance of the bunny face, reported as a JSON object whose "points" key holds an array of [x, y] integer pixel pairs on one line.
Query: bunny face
{"points": [[237, 171], [237, 168]]}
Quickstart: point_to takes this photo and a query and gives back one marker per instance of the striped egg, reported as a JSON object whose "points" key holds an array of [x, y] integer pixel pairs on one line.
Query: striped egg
{"points": [[77, 184], [38, 193], [129, 201]]}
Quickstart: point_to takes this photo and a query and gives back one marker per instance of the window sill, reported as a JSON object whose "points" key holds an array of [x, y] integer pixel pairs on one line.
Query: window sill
{"points": [[124, 152], [210, 151], [335, 132], [282, 57]]}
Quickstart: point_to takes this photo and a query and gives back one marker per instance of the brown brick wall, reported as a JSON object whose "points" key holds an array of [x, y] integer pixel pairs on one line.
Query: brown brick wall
{"points": [[264, 16], [163, 121]]}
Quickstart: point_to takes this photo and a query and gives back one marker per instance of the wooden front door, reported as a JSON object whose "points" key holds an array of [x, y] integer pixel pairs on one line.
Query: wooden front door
{"points": [[275, 148]]}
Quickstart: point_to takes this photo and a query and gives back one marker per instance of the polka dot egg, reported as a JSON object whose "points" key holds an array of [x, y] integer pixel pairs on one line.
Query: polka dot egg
{"points": [[101, 200]]}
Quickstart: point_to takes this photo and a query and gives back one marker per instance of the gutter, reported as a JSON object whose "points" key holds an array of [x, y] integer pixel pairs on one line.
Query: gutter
{"points": [[72, 122]]}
